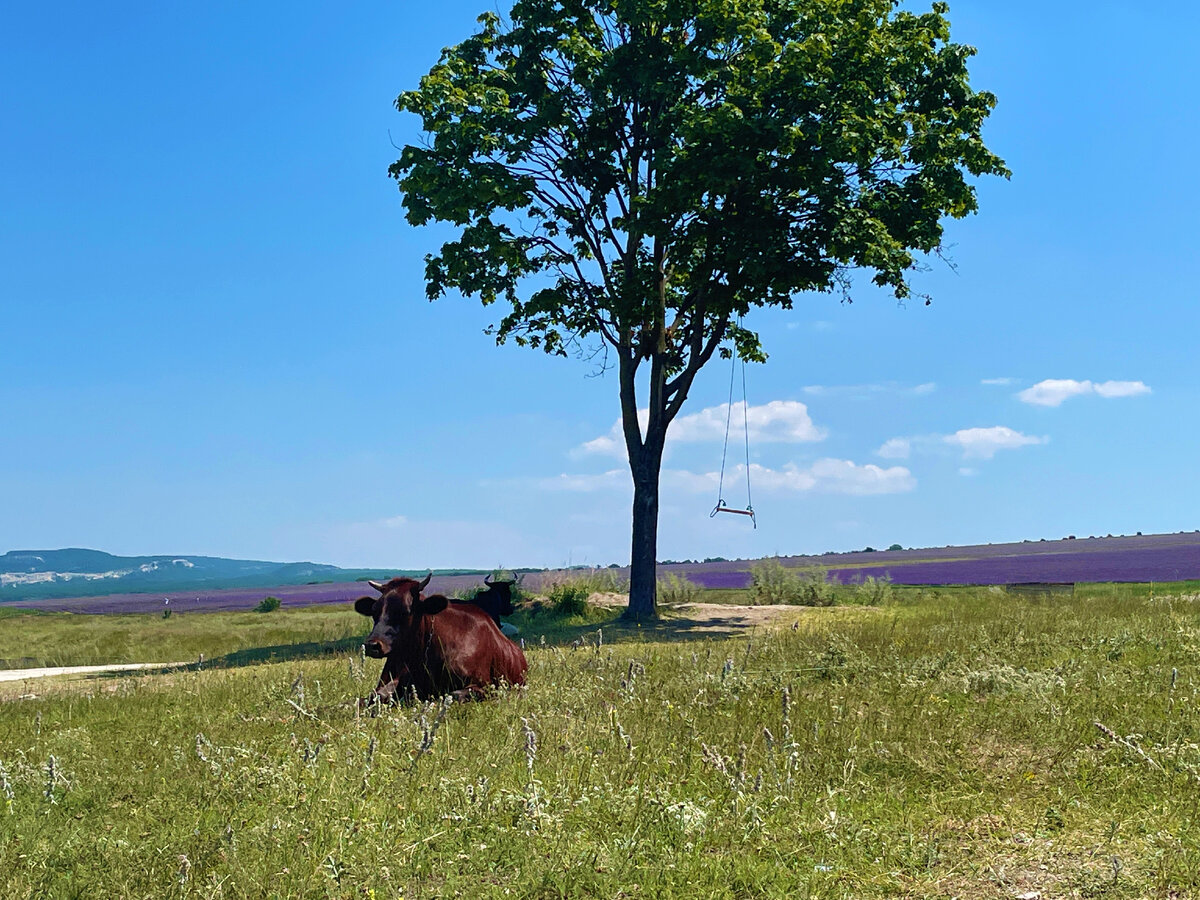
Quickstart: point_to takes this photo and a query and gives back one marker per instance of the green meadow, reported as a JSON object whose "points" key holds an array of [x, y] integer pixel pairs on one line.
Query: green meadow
{"points": [[955, 743]]}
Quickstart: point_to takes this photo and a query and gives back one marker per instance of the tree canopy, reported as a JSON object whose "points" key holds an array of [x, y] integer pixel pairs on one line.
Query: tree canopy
{"points": [[639, 175]]}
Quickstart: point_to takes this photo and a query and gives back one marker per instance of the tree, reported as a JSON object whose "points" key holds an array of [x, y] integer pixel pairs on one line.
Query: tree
{"points": [[635, 176]]}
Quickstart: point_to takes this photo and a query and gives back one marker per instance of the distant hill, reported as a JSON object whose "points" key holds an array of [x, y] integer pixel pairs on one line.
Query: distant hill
{"points": [[48, 574]]}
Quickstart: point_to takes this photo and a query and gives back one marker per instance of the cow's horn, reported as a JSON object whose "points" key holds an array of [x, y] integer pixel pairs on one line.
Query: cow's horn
{"points": [[422, 585], [487, 579], [376, 585]]}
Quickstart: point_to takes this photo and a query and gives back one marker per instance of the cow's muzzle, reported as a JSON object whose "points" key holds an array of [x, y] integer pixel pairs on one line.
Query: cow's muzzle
{"points": [[375, 649]]}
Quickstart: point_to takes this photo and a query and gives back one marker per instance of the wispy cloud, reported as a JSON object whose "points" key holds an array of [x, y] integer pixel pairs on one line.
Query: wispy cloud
{"points": [[613, 478], [780, 421], [865, 390], [896, 448], [982, 443], [998, 381], [973, 443], [1054, 391], [830, 476]]}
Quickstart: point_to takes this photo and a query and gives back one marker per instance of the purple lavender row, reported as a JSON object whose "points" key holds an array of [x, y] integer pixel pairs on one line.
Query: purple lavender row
{"points": [[234, 599], [1151, 564]]}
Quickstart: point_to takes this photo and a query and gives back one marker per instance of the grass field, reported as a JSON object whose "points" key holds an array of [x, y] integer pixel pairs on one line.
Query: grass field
{"points": [[943, 745]]}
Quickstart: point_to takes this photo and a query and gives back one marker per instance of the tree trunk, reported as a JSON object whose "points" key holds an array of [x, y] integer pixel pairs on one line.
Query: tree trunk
{"points": [[643, 557]]}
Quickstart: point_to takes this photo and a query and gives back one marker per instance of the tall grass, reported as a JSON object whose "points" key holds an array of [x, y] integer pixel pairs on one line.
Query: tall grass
{"points": [[674, 589], [772, 582], [568, 592], [69, 639], [952, 744]]}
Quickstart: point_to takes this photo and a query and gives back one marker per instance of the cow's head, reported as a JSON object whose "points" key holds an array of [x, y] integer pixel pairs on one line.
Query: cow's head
{"points": [[396, 612], [500, 600]]}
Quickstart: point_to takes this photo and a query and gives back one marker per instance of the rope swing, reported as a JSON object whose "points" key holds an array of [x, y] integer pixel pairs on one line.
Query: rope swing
{"points": [[721, 506]]}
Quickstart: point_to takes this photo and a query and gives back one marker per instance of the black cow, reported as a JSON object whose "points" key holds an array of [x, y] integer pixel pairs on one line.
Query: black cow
{"points": [[496, 600]]}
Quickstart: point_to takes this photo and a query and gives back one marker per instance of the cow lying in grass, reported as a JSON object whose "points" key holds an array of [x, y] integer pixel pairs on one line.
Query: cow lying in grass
{"points": [[496, 600], [433, 646]]}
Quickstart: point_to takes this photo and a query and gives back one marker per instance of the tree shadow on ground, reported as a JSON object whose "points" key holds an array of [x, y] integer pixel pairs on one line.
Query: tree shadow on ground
{"points": [[251, 656], [674, 625], [248, 656]]}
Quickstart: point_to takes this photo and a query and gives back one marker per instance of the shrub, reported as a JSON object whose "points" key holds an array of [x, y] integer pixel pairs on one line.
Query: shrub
{"points": [[874, 591], [569, 598], [267, 604], [674, 588], [772, 582], [816, 587], [601, 581]]}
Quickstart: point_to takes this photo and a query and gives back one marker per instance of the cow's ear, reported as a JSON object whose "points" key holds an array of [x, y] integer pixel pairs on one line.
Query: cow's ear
{"points": [[431, 606], [365, 606]]}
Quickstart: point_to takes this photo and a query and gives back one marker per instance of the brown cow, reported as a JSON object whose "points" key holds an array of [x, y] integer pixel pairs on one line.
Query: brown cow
{"points": [[433, 646]]}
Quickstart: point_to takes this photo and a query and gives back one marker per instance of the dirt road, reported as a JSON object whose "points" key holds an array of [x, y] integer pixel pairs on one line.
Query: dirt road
{"points": [[22, 674]]}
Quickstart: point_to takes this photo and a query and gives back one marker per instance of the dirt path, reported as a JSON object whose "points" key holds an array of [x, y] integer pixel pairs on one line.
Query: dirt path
{"points": [[22, 674]]}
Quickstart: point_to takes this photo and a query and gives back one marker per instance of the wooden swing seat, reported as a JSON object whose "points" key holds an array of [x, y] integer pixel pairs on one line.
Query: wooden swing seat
{"points": [[722, 508]]}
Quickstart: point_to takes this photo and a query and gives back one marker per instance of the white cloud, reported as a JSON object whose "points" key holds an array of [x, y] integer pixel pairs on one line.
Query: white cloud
{"points": [[974, 443], [1109, 389], [864, 390], [998, 381], [1053, 391], [613, 478], [610, 444], [830, 476], [895, 448], [982, 443], [780, 421], [827, 476], [841, 476], [967, 472]]}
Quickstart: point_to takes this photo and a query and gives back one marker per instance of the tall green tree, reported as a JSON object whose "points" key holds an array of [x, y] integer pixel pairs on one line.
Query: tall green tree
{"points": [[638, 175]]}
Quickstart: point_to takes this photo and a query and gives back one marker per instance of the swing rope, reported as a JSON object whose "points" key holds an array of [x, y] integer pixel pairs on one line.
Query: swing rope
{"points": [[746, 430], [721, 506]]}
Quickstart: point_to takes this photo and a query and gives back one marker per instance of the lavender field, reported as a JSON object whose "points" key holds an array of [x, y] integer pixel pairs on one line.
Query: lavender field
{"points": [[232, 599], [1138, 558]]}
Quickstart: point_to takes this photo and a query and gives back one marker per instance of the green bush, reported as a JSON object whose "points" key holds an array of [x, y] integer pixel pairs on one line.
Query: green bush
{"points": [[673, 588], [598, 581], [774, 583], [267, 604], [816, 587], [569, 598], [874, 591], [567, 592]]}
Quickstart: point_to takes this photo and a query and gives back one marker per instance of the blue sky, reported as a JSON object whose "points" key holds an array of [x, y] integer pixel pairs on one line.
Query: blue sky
{"points": [[214, 337]]}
